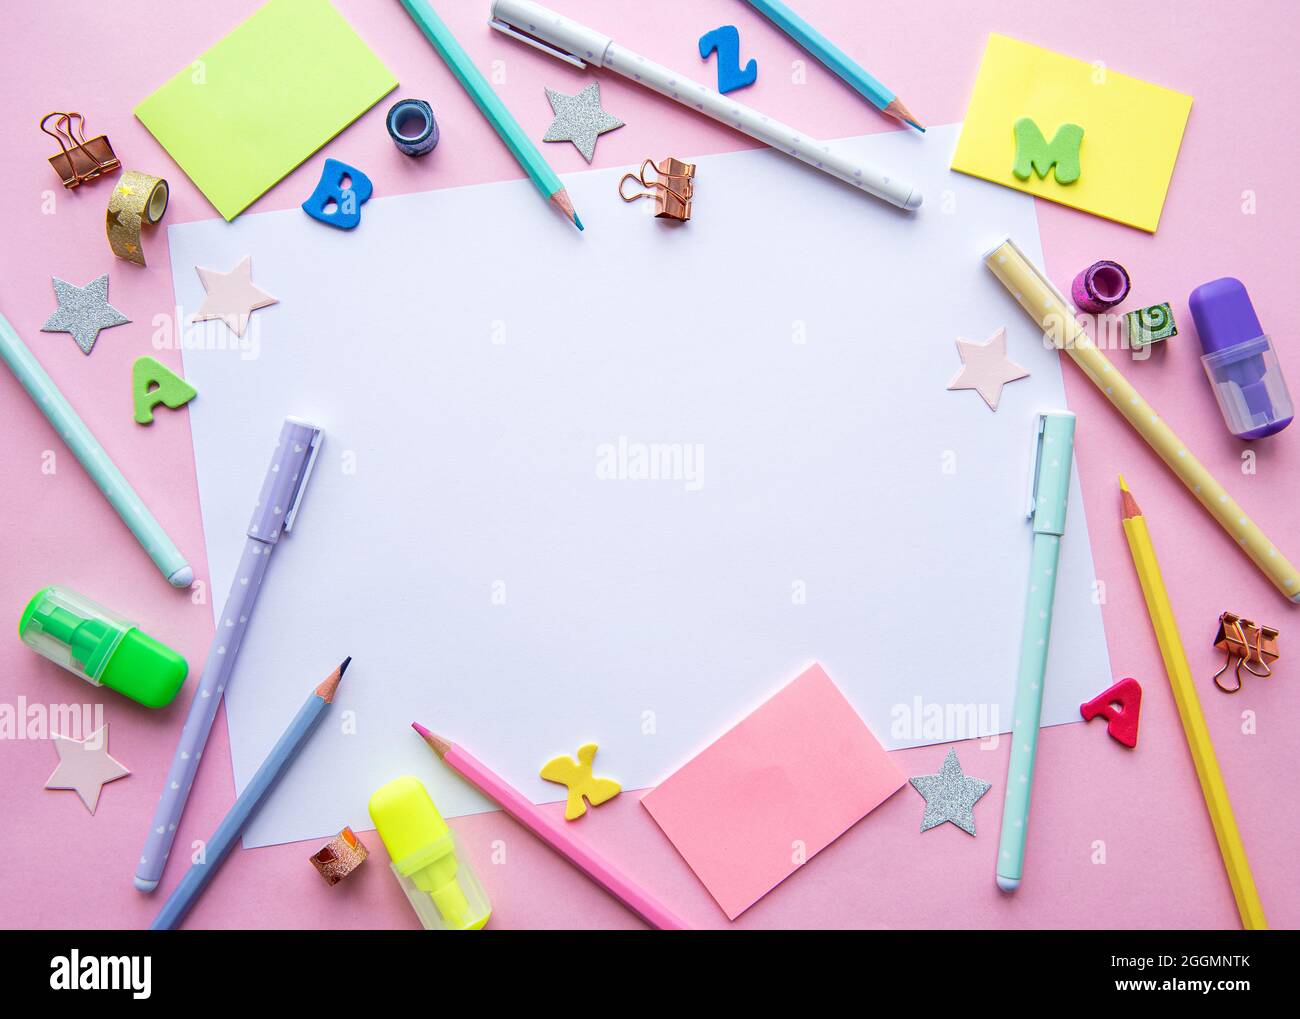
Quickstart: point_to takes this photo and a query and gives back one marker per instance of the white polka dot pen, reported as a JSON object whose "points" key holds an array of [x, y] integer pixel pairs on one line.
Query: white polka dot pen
{"points": [[1045, 305], [273, 516], [575, 44]]}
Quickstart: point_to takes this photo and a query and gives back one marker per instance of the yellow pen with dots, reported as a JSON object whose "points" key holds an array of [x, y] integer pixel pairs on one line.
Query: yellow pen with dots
{"points": [[1045, 305]]}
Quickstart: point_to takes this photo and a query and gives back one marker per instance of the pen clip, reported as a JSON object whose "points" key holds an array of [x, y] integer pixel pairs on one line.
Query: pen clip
{"points": [[1049, 494], [507, 29], [1035, 463], [313, 450]]}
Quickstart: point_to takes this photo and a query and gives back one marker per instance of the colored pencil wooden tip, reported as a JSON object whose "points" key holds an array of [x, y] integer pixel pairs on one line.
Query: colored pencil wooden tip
{"points": [[1130, 507], [564, 203], [331, 682], [439, 745], [897, 110]]}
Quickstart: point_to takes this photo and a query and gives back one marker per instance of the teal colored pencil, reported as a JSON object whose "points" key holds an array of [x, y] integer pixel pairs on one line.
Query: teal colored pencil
{"points": [[854, 75], [103, 472], [263, 783], [492, 107]]}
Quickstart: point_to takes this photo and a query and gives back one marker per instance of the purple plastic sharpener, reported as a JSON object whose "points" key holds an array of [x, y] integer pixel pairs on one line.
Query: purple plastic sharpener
{"points": [[1239, 360]]}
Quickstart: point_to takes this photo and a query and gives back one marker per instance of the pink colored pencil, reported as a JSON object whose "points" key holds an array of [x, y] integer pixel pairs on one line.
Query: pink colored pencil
{"points": [[553, 833]]}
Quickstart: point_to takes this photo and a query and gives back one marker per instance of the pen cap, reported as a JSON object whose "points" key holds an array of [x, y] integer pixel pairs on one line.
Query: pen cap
{"points": [[1239, 360], [286, 480], [1053, 459], [427, 858], [101, 647], [533, 23]]}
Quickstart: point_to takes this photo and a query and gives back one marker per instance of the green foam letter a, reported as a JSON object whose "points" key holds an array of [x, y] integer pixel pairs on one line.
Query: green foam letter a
{"points": [[153, 383]]}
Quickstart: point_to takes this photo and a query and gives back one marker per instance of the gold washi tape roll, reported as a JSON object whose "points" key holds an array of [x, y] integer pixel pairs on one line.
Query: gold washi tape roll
{"points": [[137, 199]]}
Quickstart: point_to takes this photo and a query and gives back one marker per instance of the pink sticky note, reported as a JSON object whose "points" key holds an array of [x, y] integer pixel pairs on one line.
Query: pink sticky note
{"points": [[802, 769]]}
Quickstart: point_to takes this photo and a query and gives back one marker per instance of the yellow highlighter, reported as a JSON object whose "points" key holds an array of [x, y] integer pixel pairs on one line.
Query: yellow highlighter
{"points": [[427, 858]]}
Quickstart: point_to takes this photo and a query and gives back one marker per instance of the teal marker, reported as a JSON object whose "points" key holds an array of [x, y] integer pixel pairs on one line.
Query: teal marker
{"points": [[1053, 456]]}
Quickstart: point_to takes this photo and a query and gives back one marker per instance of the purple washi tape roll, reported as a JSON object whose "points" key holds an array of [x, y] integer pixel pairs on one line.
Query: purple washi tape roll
{"points": [[1100, 286]]}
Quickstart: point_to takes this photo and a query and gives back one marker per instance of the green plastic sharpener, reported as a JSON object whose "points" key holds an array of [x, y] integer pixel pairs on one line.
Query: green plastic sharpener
{"points": [[101, 647]]}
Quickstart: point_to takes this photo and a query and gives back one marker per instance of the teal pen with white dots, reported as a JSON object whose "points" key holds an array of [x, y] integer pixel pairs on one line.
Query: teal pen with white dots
{"points": [[1053, 457], [103, 472]]}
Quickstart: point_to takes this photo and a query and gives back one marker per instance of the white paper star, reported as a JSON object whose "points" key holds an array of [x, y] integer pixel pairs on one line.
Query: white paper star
{"points": [[950, 795], [986, 368], [231, 296], [579, 119], [83, 311], [84, 765]]}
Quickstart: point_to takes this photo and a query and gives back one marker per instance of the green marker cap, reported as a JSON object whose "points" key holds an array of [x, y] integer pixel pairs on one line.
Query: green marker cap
{"points": [[101, 647]]}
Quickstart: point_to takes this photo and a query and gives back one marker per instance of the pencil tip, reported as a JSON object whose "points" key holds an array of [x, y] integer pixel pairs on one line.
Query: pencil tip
{"points": [[1129, 506], [917, 126], [439, 745], [578, 222], [331, 682]]}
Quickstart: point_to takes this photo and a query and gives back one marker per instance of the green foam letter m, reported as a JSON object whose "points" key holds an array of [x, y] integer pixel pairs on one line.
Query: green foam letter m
{"points": [[1034, 153]]}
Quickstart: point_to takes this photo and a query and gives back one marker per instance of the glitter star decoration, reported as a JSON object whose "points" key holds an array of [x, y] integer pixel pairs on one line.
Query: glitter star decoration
{"points": [[579, 119], [231, 296], [84, 766], [83, 311], [986, 368], [950, 795]]}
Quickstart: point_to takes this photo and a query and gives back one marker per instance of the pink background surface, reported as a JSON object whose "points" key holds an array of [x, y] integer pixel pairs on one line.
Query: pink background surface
{"points": [[67, 868]]}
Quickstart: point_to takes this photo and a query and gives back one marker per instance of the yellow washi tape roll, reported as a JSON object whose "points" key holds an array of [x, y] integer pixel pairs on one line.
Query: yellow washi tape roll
{"points": [[137, 199]]}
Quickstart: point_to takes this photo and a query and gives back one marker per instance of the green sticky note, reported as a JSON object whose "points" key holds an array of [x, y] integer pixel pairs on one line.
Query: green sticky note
{"points": [[263, 99]]}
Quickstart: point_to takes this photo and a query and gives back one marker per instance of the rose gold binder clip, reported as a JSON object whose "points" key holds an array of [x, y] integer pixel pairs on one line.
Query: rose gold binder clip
{"points": [[1247, 642], [672, 190], [78, 160]]}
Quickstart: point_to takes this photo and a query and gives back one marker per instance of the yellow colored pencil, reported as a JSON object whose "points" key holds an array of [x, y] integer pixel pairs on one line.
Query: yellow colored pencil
{"points": [[1045, 305], [1189, 710]]}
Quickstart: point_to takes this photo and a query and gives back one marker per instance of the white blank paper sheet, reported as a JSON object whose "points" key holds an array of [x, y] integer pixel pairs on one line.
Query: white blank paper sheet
{"points": [[622, 485]]}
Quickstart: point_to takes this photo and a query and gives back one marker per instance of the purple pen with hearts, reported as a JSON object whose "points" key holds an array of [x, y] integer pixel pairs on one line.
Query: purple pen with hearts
{"points": [[274, 515]]}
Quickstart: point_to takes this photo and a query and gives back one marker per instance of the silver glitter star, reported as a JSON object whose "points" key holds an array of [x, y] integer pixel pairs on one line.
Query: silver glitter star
{"points": [[579, 119], [83, 311], [950, 795]]}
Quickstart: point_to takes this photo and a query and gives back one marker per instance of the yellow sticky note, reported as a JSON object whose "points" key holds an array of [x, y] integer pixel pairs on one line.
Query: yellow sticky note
{"points": [[263, 99], [1132, 130]]}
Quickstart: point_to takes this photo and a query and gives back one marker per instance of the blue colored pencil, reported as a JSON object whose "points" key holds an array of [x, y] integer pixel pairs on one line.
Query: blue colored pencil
{"points": [[232, 826], [854, 75], [491, 106]]}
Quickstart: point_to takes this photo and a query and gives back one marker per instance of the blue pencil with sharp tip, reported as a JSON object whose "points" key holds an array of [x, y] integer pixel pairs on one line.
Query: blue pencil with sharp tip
{"points": [[853, 74], [254, 795], [491, 106]]}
